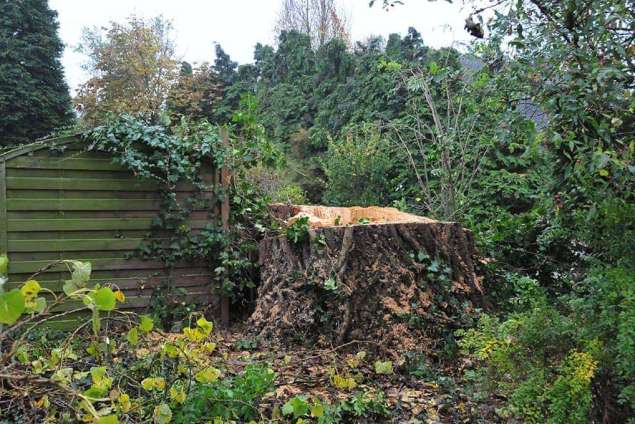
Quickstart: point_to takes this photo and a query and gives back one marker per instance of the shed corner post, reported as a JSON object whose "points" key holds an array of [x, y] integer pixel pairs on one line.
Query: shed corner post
{"points": [[4, 239], [225, 180], [4, 244]]}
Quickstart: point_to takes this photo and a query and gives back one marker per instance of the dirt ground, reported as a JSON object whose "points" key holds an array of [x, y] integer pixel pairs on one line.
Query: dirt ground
{"points": [[415, 393]]}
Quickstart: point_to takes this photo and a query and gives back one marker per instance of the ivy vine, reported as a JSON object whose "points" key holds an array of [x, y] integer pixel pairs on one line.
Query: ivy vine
{"points": [[175, 156]]}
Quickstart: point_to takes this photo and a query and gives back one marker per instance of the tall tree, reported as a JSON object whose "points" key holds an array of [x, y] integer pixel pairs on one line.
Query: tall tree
{"points": [[197, 93], [322, 20], [34, 97], [132, 67]]}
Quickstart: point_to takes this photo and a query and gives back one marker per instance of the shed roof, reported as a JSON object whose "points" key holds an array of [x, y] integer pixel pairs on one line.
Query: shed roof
{"points": [[24, 149]]}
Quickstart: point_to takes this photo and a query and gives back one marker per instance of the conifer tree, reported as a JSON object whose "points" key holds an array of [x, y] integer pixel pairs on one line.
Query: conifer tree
{"points": [[34, 97]]}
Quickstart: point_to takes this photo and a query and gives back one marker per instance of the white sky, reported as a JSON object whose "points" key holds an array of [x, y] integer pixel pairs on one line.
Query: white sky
{"points": [[239, 24]]}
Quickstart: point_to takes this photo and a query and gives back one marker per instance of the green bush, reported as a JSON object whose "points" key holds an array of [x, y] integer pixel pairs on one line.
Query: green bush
{"points": [[549, 354], [360, 167]]}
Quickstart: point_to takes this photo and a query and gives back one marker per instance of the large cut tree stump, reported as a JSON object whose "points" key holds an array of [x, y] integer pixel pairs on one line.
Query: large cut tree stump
{"points": [[402, 281]]}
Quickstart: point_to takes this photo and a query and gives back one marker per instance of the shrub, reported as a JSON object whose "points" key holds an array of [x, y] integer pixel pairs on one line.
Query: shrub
{"points": [[551, 355]]}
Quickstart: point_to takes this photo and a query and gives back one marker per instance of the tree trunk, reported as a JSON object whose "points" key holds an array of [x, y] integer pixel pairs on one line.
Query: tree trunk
{"points": [[404, 284]]}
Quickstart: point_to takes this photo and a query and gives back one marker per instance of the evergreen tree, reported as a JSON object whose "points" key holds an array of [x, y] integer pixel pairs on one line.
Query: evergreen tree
{"points": [[224, 66], [34, 97]]}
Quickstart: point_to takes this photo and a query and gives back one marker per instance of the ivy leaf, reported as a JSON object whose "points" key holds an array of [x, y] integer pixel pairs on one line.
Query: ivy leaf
{"points": [[104, 299], [146, 324], [11, 306]]}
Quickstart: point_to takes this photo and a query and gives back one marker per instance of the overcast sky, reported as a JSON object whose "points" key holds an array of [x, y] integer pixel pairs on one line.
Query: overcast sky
{"points": [[239, 24]]}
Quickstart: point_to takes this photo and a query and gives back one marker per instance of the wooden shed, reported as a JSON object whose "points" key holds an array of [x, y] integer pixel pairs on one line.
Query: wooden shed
{"points": [[59, 201]]}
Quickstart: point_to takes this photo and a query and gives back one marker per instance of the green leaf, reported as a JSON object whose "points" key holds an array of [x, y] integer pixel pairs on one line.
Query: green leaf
{"points": [[11, 306], [133, 336], [205, 325], [70, 287], [384, 367], [298, 406], [104, 299], [162, 414], [4, 264], [108, 419], [81, 272], [40, 305], [146, 324]]}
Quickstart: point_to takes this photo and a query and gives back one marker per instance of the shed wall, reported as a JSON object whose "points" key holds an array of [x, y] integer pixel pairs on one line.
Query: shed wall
{"points": [[79, 205]]}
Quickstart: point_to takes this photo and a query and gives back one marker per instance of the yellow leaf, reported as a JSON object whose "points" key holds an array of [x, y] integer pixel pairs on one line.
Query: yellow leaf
{"points": [[30, 289], [124, 403], [343, 383], [177, 394], [153, 383], [205, 325], [194, 334], [120, 296], [207, 375], [42, 403]]}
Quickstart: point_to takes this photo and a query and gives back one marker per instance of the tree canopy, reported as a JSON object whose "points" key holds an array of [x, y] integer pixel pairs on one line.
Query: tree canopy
{"points": [[34, 97]]}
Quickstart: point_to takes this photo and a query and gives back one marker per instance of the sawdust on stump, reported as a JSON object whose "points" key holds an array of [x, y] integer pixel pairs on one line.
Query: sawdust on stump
{"points": [[402, 281]]}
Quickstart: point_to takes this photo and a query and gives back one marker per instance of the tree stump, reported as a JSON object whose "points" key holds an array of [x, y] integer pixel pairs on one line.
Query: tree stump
{"points": [[399, 280]]}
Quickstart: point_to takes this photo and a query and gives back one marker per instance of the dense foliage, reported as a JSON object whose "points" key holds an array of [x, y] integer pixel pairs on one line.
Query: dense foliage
{"points": [[526, 137], [34, 98]]}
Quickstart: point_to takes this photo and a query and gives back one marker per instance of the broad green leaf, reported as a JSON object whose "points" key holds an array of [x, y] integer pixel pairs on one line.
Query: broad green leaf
{"points": [[81, 272], [205, 325], [104, 299], [39, 306], [70, 287], [11, 306], [162, 414], [133, 336], [108, 419], [146, 324], [298, 406], [317, 410]]}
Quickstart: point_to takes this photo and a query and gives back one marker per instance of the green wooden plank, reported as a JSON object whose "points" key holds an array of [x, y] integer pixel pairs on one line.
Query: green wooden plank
{"points": [[81, 173], [72, 245], [131, 184], [81, 204], [130, 284], [31, 162], [114, 224], [4, 236], [22, 267], [55, 195]]}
